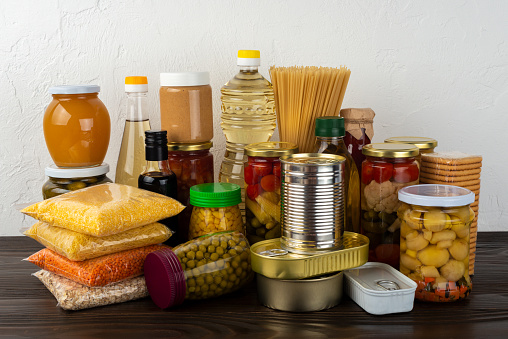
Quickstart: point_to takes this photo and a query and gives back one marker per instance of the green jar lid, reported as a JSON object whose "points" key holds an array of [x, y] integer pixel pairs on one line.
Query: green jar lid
{"points": [[330, 127], [215, 195]]}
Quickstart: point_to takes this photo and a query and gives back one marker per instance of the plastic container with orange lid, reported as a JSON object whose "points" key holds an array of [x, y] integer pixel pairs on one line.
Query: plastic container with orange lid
{"points": [[76, 126]]}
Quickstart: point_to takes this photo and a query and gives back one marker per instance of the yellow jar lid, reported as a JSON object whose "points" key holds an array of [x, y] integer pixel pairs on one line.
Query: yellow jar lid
{"points": [[174, 146], [390, 150], [246, 53], [271, 149], [420, 142]]}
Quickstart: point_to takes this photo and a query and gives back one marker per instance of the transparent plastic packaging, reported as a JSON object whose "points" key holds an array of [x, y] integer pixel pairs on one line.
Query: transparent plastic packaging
{"points": [[434, 240], [205, 267], [78, 246], [72, 296], [104, 210], [100, 271]]}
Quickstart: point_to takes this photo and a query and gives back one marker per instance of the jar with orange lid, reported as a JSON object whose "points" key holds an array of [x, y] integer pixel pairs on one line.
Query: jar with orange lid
{"points": [[425, 145], [192, 165], [76, 126], [386, 169]]}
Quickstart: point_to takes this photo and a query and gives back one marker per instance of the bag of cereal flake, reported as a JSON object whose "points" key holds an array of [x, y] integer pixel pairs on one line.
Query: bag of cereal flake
{"points": [[78, 246], [104, 209], [73, 296]]}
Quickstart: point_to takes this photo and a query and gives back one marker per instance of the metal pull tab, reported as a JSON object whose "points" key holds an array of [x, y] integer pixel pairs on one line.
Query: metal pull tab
{"points": [[388, 285], [276, 252]]}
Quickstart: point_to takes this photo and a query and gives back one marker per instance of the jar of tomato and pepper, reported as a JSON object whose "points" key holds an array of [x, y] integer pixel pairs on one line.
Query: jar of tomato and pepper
{"points": [[387, 168], [262, 174]]}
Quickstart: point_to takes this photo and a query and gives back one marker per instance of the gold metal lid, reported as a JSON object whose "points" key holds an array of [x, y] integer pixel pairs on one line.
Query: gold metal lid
{"points": [[175, 146], [270, 260], [271, 149], [390, 150], [420, 142], [318, 159]]}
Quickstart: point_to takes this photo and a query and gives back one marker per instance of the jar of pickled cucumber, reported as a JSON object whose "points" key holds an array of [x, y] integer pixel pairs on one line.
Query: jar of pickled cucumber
{"points": [[425, 145], [434, 240], [262, 188], [63, 180], [215, 209], [205, 267]]}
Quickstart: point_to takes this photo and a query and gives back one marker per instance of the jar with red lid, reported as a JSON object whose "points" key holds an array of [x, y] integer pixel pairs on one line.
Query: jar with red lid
{"points": [[386, 169], [262, 173], [192, 165]]}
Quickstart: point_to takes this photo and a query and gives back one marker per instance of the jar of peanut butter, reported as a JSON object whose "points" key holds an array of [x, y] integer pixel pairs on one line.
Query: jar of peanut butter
{"points": [[186, 107]]}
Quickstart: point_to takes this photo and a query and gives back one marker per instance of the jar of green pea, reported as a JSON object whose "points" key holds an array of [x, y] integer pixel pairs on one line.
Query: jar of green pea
{"points": [[63, 180]]}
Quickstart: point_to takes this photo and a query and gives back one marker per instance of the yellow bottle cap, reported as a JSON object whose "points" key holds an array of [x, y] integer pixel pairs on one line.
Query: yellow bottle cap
{"points": [[247, 53], [136, 80]]}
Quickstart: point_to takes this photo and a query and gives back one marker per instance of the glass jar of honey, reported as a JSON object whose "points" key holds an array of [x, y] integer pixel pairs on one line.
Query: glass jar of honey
{"points": [[76, 126]]}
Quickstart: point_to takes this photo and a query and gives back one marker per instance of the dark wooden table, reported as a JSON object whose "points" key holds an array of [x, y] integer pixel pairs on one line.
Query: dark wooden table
{"points": [[27, 309]]}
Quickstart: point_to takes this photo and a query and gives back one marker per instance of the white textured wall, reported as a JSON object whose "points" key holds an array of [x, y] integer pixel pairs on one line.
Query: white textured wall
{"points": [[427, 68]]}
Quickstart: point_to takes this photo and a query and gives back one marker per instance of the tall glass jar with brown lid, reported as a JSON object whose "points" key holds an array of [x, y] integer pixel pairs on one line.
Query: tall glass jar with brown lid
{"points": [[387, 169]]}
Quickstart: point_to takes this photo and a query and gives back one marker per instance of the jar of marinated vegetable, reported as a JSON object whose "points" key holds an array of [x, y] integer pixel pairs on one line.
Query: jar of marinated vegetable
{"points": [[262, 188], [215, 209], [434, 240], [205, 267], [425, 145], [63, 180], [192, 165], [387, 168]]}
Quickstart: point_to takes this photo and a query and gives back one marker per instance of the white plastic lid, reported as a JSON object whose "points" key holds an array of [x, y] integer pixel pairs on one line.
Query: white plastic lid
{"points": [[436, 195], [185, 79], [247, 57], [136, 88], [54, 171], [74, 89]]}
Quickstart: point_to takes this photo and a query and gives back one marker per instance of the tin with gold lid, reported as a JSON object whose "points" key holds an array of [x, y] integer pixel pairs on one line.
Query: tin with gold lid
{"points": [[262, 174], [312, 202]]}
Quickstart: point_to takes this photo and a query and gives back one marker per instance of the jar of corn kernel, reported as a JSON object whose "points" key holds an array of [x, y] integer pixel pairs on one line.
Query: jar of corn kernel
{"points": [[215, 209]]}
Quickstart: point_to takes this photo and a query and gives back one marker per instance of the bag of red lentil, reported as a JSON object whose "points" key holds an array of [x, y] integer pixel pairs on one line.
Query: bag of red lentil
{"points": [[100, 271]]}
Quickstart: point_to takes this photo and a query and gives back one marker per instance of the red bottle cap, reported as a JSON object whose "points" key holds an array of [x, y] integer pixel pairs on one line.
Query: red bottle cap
{"points": [[165, 278]]}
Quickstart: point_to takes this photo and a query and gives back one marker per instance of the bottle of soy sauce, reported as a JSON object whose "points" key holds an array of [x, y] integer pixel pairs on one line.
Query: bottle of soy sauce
{"points": [[157, 176]]}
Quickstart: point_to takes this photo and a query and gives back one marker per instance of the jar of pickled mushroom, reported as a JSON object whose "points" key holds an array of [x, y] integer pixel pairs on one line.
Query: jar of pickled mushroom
{"points": [[192, 165], [63, 180], [425, 145], [205, 267], [434, 240], [262, 188], [215, 209], [386, 169]]}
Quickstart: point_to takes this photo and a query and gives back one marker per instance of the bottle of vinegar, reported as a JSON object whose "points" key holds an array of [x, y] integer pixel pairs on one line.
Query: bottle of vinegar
{"points": [[131, 159], [248, 115]]}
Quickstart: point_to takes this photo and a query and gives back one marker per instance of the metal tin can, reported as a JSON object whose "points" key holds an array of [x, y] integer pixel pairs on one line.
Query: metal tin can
{"points": [[312, 197]]}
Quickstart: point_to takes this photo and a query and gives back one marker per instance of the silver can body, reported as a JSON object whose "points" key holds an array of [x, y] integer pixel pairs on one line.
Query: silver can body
{"points": [[312, 196]]}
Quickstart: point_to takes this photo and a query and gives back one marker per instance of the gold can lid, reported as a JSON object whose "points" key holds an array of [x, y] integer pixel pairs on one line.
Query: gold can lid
{"points": [[318, 159], [271, 149], [390, 150], [420, 142], [175, 146]]}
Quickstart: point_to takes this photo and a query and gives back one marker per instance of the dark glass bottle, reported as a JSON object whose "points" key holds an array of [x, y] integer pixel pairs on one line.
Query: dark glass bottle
{"points": [[157, 176]]}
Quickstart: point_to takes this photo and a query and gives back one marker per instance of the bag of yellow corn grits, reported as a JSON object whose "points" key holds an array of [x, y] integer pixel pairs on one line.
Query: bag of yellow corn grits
{"points": [[105, 209], [78, 246]]}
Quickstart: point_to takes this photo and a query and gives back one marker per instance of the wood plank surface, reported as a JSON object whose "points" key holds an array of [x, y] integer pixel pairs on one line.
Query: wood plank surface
{"points": [[27, 309]]}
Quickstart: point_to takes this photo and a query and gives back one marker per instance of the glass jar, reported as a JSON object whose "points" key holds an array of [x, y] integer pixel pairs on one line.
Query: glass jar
{"points": [[186, 107], [215, 209], [434, 240], [358, 123], [64, 180], [388, 168], [192, 165], [76, 126], [425, 145], [262, 188], [202, 268]]}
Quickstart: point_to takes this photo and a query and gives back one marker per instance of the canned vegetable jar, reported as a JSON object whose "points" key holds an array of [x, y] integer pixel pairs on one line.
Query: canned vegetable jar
{"points": [[205, 267], [387, 168], [425, 145], [434, 240], [64, 180], [262, 188], [215, 209]]}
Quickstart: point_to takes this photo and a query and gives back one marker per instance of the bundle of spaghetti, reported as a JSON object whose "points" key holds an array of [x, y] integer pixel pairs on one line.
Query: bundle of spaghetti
{"points": [[303, 94]]}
